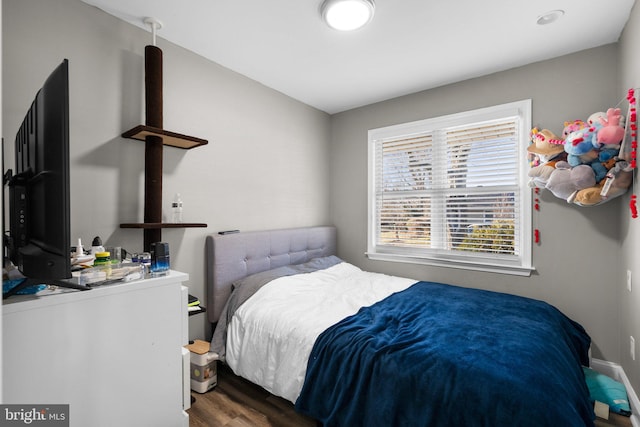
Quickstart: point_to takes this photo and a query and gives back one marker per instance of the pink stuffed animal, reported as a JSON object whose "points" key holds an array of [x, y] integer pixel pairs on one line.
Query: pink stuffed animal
{"points": [[611, 133], [573, 126]]}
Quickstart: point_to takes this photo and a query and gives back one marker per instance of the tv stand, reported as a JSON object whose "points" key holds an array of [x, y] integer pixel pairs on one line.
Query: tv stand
{"points": [[69, 283]]}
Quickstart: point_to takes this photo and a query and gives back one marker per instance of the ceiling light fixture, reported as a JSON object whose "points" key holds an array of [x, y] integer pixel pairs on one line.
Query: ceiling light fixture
{"points": [[347, 15], [550, 17]]}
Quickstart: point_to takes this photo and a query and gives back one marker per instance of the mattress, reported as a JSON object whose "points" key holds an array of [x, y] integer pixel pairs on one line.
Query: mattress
{"points": [[271, 335]]}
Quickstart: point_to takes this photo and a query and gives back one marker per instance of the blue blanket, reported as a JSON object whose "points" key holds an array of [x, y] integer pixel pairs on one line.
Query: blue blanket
{"points": [[441, 355]]}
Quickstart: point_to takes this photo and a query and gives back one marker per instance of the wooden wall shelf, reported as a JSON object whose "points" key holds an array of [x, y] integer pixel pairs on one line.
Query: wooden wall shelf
{"points": [[153, 225], [155, 137], [172, 139]]}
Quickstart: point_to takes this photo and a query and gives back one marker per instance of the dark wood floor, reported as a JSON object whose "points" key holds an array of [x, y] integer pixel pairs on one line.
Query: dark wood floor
{"points": [[614, 420], [235, 402]]}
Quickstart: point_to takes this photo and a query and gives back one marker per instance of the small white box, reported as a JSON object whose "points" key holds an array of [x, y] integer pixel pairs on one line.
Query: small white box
{"points": [[204, 369]]}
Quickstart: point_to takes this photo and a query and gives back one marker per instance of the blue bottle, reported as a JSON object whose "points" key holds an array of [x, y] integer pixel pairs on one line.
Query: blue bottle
{"points": [[160, 263]]}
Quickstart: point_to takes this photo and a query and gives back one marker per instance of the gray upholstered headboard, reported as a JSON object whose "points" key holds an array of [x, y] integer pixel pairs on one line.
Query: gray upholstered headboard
{"points": [[231, 257]]}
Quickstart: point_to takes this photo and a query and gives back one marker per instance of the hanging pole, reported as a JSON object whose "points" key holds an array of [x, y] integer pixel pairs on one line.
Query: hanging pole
{"points": [[153, 144]]}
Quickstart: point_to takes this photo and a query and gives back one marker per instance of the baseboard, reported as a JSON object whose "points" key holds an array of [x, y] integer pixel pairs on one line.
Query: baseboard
{"points": [[616, 372]]}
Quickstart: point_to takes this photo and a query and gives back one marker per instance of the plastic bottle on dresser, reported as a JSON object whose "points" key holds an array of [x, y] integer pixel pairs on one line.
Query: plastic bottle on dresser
{"points": [[96, 246], [102, 258], [176, 209]]}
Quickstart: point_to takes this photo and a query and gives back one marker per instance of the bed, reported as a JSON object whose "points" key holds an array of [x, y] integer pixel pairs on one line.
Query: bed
{"points": [[355, 348]]}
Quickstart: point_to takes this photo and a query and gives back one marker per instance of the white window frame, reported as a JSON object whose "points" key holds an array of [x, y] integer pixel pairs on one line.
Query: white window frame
{"points": [[520, 264]]}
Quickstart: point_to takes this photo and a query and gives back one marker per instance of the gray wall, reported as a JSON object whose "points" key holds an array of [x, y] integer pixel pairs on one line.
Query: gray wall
{"points": [[629, 304], [577, 262], [265, 165]]}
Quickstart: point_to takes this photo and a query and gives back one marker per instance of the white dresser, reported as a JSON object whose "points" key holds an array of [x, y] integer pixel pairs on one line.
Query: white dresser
{"points": [[113, 353]]}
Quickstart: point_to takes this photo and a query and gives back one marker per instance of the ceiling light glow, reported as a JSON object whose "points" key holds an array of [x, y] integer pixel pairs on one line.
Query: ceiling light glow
{"points": [[550, 17], [347, 15]]}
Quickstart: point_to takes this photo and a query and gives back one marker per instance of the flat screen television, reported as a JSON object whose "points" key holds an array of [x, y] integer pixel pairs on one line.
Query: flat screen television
{"points": [[38, 243]]}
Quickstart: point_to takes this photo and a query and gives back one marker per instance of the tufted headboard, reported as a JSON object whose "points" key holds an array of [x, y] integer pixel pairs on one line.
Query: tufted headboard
{"points": [[231, 257]]}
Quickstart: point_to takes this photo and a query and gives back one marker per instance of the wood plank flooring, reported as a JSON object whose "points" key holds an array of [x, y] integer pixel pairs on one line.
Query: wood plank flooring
{"points": [[235, 402], [614, 420]]}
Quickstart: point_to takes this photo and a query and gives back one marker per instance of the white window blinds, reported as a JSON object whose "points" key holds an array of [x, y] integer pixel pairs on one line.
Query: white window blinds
{"points": [[452, 189]]}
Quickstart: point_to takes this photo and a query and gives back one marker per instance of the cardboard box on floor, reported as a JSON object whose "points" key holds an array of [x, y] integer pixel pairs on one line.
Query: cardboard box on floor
{"points": [[204, 370]]}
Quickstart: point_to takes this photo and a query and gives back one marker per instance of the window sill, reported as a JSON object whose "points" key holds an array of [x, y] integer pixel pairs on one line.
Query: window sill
{"points": [[490, 268]]}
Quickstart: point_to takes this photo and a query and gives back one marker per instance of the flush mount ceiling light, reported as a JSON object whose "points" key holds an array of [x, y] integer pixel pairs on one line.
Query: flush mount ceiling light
{"points": [[347, 15], [550, 17]]}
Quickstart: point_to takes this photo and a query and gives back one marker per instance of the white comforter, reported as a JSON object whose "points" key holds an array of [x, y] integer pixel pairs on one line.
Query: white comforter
{"points": [[271, 335]]}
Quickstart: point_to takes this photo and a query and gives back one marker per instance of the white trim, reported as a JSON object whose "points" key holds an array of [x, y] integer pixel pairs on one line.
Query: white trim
{"points": [[616, 372], [521, 264], [467, 265]]}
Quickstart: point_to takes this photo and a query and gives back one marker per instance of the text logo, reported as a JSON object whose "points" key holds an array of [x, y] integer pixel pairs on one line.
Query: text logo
{"points": [[34, 415]]}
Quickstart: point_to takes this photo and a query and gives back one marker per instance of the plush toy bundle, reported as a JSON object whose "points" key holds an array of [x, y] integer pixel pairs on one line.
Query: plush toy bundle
{"points": [[588, 165]]}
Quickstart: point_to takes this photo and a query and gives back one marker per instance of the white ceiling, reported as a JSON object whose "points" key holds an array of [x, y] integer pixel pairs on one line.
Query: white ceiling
{"points": [[410, 45]]}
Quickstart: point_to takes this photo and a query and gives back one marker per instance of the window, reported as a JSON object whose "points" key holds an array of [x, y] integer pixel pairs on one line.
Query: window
{"points": [[452, 191]]}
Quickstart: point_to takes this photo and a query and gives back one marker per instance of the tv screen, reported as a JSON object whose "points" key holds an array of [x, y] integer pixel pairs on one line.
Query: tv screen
{"points": [[39, 237]]}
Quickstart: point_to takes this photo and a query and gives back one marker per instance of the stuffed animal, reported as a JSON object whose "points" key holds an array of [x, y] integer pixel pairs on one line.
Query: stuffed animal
{"points": [[606, 160], [573, 126], [594, 119], [621, 176], [565, 180], [539, 175], [618, 181], [587, 196], [611, 134], [579, 147], [545, 149], [545, 144], [595, 123]]}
